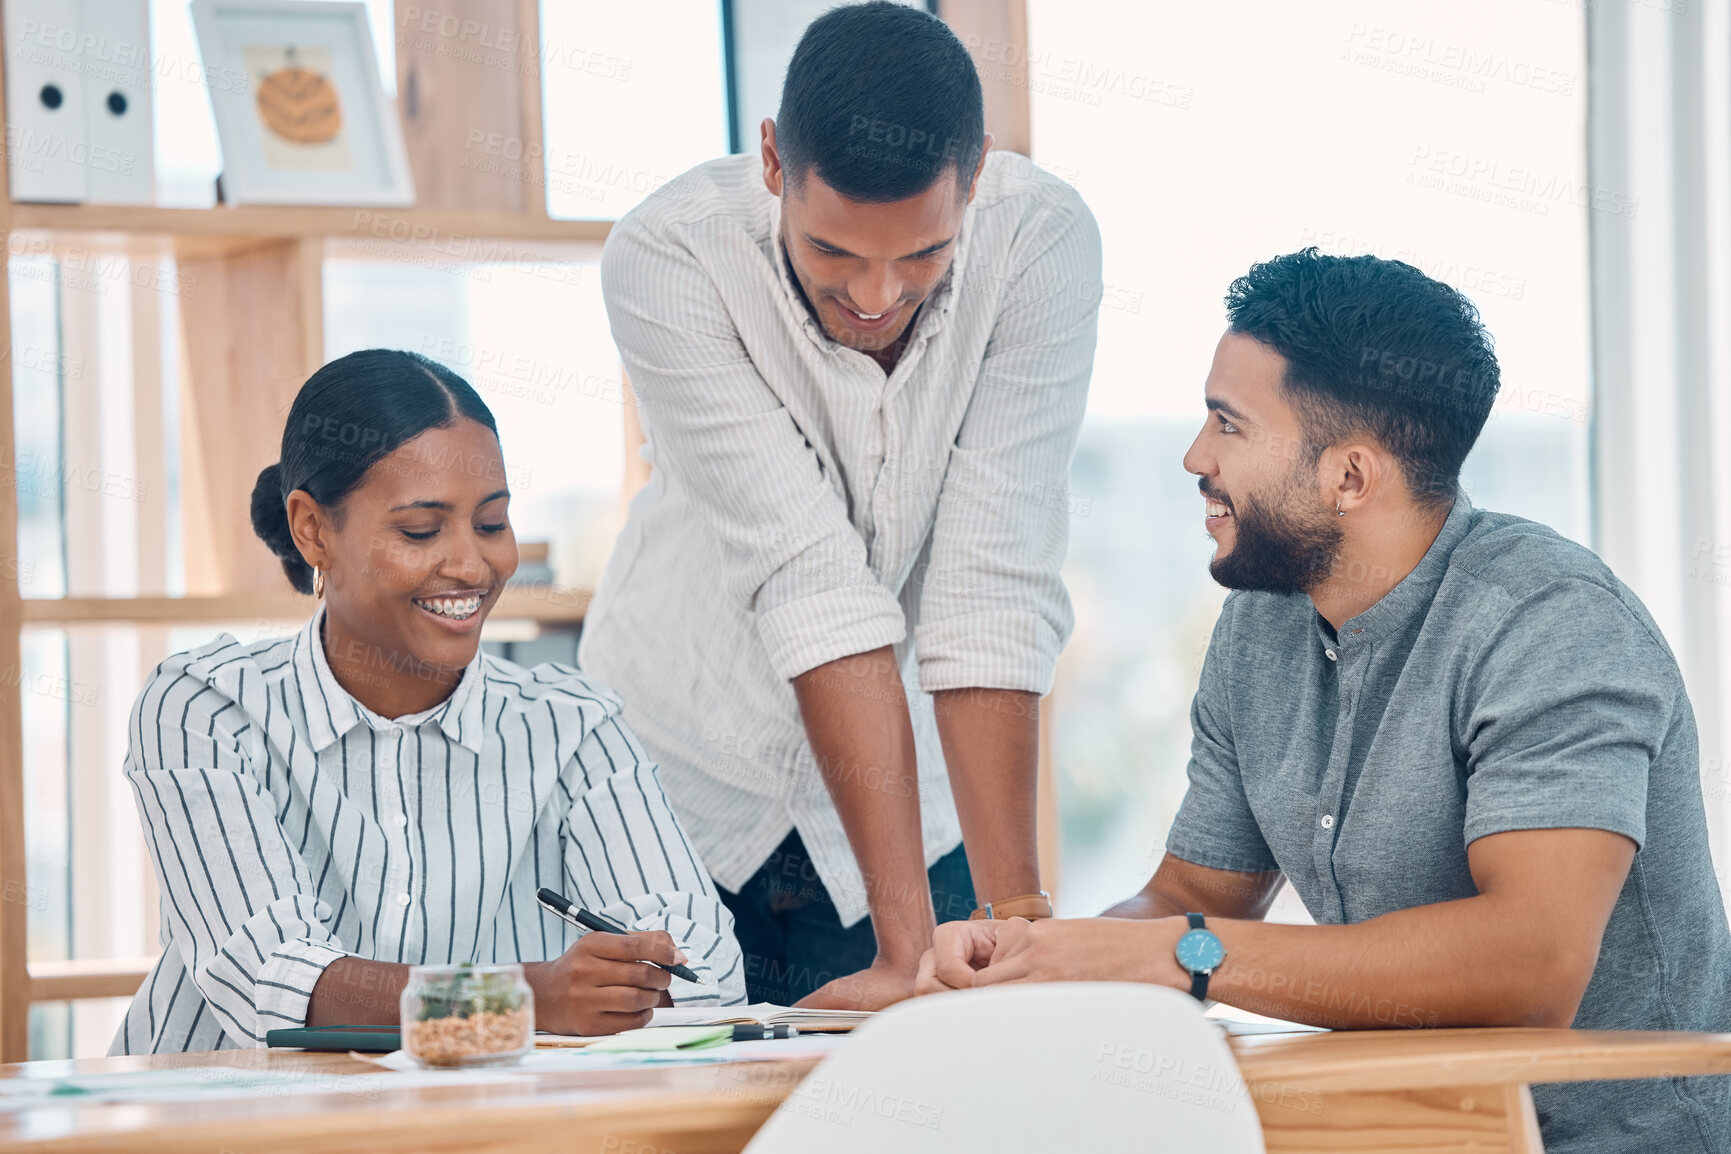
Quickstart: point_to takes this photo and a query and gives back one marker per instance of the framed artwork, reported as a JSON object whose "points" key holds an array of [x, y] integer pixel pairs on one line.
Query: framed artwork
{"points": [[311, 125]]}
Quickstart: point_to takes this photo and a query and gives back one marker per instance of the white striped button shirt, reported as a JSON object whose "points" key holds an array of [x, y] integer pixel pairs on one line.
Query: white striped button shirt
{"points": [[290, 826], [805, 507]]}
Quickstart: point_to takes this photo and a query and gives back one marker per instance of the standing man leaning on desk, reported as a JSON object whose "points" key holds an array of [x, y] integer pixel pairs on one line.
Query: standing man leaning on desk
{"points": [[861, 362], [1458, 735]]}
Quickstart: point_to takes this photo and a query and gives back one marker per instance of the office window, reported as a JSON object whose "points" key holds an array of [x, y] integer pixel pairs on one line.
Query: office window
{"points": [[533, 340], [633, 96], [92, 516], [1448, 135]]}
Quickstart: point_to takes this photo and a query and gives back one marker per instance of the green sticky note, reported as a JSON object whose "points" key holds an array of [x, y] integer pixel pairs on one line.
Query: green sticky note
{"points": [[666, 1038]]}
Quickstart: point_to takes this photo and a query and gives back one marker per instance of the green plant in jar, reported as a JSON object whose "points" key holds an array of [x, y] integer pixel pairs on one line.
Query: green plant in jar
{"points": [[457, 1015], [467, 992]]}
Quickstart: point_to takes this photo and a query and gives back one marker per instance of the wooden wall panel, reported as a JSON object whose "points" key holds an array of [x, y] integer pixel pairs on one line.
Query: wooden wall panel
{"points": [[14, 908], [996, 33], [467, 75], [251, 339]]}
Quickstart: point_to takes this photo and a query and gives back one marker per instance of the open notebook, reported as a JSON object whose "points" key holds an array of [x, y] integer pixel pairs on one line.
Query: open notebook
{"points": [[760, 1013]]}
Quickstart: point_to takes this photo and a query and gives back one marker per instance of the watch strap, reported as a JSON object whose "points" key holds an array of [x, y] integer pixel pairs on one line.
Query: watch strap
{"points": [[1199, 978], [1030, 906]]}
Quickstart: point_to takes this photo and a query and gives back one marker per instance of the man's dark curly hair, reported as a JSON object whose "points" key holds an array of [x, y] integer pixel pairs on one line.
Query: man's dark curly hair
{"points": [[1375, 346]]}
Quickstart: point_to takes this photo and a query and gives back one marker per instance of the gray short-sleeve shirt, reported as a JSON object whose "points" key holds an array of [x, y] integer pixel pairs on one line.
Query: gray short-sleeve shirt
{"points": [[1509, 682]]}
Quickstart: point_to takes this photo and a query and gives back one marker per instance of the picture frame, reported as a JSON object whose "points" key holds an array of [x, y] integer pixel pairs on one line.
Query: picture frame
{"points": [[312, 124]]}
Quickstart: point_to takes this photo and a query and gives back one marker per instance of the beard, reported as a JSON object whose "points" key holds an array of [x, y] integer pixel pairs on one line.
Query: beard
{"points": [[1288, 545]]}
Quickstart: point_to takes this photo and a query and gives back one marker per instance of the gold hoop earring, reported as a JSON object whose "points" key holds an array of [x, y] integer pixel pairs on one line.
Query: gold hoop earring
{"points": [[318, 582], [1338, 511]]}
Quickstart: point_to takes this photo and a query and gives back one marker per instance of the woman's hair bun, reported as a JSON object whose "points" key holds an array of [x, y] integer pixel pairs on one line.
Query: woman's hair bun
{"points": [[270, 522]]}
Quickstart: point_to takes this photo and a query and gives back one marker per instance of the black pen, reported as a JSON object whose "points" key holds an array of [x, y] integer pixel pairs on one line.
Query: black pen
{"points": [[564, 907], [753, 1032]]}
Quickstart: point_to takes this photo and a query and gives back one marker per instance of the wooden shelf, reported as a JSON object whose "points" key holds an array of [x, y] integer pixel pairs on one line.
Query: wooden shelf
{"points": [[267, 222], [547, 605], [87, 978]]}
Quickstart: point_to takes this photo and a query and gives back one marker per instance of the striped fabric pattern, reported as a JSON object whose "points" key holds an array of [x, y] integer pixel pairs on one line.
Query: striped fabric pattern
{"points": [[804, 507], [290, 826]]}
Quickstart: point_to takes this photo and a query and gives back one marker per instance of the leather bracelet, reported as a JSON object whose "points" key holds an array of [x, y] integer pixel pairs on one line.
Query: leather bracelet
{"points": [[1030, 906]]}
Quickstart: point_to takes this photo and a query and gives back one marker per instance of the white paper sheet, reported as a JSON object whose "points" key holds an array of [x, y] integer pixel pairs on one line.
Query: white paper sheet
{"points": [[576, 1058], [200, 1083]]}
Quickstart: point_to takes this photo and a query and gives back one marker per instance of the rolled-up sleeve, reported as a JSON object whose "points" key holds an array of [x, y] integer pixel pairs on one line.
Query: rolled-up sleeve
{"points": [[240, 903], [627, 858], [790, 553], [994, 613]]}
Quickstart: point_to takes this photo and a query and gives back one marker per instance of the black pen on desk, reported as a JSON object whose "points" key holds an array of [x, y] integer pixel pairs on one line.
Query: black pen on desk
{"points": [[561, 906], [754, 1032]]}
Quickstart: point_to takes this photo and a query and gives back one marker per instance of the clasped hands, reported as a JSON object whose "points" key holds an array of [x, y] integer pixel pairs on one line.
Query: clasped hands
{"points": [[973, 954]]}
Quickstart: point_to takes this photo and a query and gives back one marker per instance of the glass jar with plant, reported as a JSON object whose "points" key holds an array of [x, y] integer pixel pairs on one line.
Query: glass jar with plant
{"points": [[466, 1014]]}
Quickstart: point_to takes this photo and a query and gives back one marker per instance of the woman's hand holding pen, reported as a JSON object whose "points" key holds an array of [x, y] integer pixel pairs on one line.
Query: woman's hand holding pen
{"points": [[603, 983]]}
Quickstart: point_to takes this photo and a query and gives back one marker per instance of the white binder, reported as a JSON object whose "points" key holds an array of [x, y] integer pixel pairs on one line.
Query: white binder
{"points": [[117, 103], [78, 103], [45, 100]]}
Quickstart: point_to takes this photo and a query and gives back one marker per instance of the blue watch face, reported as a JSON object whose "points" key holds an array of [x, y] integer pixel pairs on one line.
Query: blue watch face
{"points": [[1200, 950]]}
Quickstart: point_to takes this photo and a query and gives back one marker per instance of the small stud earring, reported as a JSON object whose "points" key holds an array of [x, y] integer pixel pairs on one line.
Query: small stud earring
{"points": [[318, 582]]}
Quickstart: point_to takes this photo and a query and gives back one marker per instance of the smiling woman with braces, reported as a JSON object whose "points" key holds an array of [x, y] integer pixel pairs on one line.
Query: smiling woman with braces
{"points": [[376, 791]]}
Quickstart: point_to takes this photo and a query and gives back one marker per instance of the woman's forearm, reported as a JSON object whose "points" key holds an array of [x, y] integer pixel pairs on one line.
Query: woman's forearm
{"points": [[358, 992]]}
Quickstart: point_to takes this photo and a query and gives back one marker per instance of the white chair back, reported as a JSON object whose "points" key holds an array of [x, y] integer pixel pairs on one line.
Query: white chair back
{"points": [[1060, 1066]]}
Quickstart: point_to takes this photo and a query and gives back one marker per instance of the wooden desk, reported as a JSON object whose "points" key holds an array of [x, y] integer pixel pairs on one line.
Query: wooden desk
{"points": [[1396, 1090], [1434, 1090]]}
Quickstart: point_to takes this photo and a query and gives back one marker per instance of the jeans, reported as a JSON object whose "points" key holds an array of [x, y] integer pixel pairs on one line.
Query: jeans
{"points": [[789, 932]]}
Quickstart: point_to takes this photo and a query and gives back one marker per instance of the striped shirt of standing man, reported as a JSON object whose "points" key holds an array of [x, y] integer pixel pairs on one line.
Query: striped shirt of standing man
{"points": [[861, 358]]}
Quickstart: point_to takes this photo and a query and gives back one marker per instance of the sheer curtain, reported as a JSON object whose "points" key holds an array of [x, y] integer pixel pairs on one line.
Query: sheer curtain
{"points": [[1660, 177]]}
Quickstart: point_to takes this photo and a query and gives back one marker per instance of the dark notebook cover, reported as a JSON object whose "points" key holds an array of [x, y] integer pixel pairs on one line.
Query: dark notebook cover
{"points": [[369, 1039]]}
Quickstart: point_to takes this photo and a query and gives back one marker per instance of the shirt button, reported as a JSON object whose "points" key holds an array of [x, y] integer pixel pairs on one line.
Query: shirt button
{"points": [[1332, 655], [402, 819], [1327, 823], [402, 899]]}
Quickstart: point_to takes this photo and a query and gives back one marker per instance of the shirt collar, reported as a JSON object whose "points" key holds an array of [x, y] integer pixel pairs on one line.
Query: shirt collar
{"points": [[934, 310], [331, 712], [464, 715], [1414, 591]]}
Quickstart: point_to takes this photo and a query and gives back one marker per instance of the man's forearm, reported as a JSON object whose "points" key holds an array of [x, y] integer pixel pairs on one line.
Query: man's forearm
{"points": [[856, 718], [991, 741], [1450, 964], [1148, 905], [1179, 887]]}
